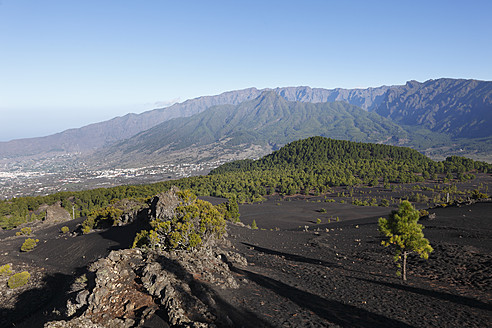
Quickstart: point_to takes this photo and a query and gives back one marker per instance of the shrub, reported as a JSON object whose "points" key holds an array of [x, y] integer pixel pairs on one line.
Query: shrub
{"points": [[24, 231], [192, 223], [82, 279], [230, 210], [18, 279], [318, 221], [65, 229], [322, 210], [5, 270], [476, 194], [86, 230], [101, 218], [384, 202], [29, 244]]}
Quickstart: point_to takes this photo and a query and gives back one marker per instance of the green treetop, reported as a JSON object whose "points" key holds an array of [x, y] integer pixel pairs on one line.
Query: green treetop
{"points": [[405, 234]]}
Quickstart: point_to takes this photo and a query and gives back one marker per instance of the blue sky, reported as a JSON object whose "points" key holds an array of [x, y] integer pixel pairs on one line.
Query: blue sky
{"points": [[65, 64]]}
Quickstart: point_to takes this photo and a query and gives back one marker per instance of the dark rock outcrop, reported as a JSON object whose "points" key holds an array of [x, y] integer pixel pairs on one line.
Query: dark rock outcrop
{"points": [[130, 286], [127, 288], [56, 213]]}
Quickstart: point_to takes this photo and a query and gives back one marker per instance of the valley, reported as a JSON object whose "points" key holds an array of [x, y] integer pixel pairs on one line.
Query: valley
{"points": [[43, 178], [290, 182], [245, 164]]}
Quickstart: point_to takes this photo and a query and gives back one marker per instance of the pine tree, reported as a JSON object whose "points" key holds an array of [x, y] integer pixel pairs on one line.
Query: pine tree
{"points": [[232, 213], [405, 235]]}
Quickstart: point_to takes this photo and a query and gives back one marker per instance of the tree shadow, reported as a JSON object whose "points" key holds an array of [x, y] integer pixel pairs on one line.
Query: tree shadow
{"points": [[227, 315], [333, 311], [37, 306], [303, 259], [293, 257], [462, 300], [123, 236]]}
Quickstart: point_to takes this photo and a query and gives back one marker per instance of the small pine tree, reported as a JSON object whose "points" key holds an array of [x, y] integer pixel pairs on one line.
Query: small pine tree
{"points": [[253, 225], [405, 235], [232, 213]]}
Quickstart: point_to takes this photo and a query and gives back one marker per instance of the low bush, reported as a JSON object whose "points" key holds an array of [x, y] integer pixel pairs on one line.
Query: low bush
{"points": [[193, 223], [384, 202], [24, 231], [65, 229], [476, 194], [5, 270], [18, 280], [101, 218], [29, 244], [423, 213]]}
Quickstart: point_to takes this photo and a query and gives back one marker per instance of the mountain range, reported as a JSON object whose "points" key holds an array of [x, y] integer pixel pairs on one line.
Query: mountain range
{"points": [[437, 116]]}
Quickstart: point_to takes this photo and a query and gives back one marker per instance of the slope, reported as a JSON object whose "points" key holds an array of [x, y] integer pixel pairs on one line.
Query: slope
{"points": [[460, 108], [450, 107], [266, 120]]}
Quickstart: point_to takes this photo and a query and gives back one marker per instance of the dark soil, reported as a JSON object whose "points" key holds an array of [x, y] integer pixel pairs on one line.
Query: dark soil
{"points": [[339, 274], [300, 273]]}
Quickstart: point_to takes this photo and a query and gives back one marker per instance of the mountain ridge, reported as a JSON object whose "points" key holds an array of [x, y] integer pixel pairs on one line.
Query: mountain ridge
{"points": [[433, 105], [268, 120], [460, 107]]}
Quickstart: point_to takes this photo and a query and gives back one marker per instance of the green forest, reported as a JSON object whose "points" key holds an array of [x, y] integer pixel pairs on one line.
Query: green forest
{"points": [[310, 166]]}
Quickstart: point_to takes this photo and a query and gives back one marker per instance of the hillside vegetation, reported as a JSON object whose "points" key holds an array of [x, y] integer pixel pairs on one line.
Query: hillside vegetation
{"points": [[266, 120], [309, 166], [441, 117]]}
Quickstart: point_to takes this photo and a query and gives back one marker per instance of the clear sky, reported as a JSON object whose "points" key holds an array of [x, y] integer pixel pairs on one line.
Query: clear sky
{"points": [[68, 63]]}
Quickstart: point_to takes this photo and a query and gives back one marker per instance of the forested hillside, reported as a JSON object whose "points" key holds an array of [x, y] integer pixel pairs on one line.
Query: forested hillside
{"points": [[309, 166], [434, 112], [268, 119]]}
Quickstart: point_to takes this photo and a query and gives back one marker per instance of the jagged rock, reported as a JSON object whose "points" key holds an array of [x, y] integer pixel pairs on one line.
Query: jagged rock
{"points": [[132, 209], [130, 285], [163, 205], [81, 322], [56, 213]]}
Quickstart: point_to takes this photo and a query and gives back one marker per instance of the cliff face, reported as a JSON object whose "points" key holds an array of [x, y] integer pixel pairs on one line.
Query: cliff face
{"points": [[461, 108]]}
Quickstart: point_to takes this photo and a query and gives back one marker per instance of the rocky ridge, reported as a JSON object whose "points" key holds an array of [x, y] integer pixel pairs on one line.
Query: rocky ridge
{"points": [[130, 286]]}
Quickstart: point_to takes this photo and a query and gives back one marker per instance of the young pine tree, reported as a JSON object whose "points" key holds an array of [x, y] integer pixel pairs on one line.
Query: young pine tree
{"points": [[405, 235]]}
